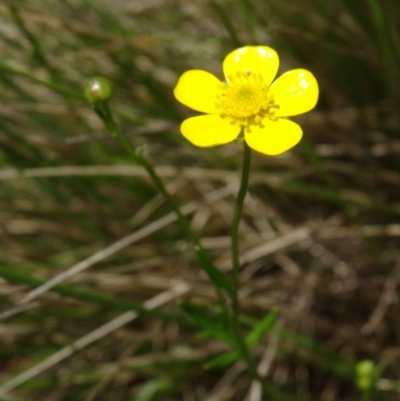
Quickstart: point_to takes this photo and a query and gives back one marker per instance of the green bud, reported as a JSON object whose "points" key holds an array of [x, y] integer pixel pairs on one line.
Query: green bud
{"points": [[365, 374], [98, 89]]}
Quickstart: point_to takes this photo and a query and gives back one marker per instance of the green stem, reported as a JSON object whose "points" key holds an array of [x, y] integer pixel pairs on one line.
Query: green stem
{"points": [[217, 278], [235, 226], [366, 395], [240, 341]]}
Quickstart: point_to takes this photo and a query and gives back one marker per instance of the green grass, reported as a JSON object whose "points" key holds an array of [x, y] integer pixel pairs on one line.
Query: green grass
{"points": [[67, 191]]}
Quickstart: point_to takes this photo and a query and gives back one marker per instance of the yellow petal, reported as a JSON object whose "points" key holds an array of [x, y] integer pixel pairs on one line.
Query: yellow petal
{"points": [[197, 89], [295, 92], [208, 130], [275, 138], [254, 59]]}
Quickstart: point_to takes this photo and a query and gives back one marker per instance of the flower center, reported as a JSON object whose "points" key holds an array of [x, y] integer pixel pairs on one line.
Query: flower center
{"points": [[244, 100]]}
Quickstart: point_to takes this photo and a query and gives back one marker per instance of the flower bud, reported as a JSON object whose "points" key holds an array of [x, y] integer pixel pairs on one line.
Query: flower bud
{"points": [[98, 89], [365, 374]]}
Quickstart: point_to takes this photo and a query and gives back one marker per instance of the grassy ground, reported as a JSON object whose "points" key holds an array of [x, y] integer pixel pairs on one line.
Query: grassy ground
{"points": [[321, 227]]}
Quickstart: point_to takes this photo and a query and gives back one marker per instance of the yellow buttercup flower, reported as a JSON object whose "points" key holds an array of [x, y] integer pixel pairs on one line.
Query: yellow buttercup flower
{"points": [[247, 101]]}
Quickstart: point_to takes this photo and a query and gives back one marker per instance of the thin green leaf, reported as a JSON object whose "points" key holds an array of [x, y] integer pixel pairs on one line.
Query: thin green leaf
{"points": [[218, 278], [222, 360], [87, 295], [261, 328], [210, 326]]}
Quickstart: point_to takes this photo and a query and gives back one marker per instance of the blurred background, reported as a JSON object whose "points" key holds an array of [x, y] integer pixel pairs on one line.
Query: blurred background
{"points": [[321, 227]]}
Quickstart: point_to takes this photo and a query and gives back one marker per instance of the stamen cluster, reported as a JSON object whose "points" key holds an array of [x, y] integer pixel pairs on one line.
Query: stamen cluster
{"points": [[245, 101]]}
